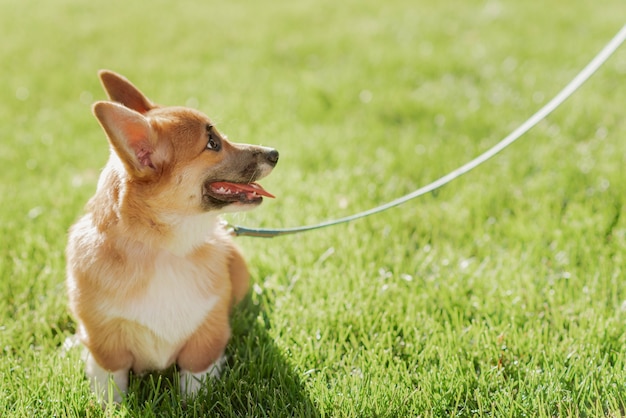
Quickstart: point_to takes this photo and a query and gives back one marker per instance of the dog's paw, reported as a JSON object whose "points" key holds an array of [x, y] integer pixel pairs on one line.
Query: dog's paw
{"points": [[109, 387], [190, 383]]}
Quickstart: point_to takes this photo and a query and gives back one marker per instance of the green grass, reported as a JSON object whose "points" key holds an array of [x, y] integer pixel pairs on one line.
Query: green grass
{"points": [[503, 294]]}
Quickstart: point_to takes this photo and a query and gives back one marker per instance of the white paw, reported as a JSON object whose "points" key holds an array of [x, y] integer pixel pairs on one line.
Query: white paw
{"points": [[107, 386], [190, 382]]}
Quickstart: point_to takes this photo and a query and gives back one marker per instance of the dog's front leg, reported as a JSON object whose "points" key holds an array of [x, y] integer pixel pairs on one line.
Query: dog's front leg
{"points": [[203, 354]]}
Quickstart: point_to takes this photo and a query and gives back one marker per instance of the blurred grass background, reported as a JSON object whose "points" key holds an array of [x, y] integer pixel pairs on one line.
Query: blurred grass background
{"points": [[500, 295]]}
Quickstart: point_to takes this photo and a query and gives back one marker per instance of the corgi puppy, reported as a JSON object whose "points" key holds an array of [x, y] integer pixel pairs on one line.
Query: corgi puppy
{"points": [[152, 273]]}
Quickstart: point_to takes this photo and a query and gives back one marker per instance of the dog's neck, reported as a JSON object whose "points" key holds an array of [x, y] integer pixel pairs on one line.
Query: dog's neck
{"points": [[190, 232], [178, 234]]}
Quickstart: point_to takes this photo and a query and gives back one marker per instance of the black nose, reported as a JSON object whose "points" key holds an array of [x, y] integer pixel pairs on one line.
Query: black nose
{"points": [[272, 156]]}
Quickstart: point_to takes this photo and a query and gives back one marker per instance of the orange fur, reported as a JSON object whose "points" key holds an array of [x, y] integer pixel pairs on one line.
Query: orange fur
{"points": [[151, 273]]}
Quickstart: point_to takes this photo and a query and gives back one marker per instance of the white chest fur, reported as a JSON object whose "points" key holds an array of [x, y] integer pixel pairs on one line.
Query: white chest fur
{"points": [[171, 307]]}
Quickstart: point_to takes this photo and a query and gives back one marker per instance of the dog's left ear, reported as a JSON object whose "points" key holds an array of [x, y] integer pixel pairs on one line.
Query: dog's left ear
{"points": [[121, 90], [130, 135]]}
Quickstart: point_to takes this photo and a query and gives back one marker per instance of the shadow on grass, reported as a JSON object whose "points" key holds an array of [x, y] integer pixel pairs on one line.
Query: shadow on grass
{"points": [[258, 381]]}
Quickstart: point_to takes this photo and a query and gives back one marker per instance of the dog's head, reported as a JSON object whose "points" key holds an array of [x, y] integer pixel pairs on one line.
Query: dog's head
{"points": [[175, 158]]}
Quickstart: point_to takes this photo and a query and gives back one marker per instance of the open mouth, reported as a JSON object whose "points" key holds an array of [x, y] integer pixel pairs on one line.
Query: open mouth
{"points": [[228, 192]]}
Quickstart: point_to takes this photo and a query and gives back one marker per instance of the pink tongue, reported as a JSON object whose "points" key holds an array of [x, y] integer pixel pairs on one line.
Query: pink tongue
{"points": [[241, 187]]}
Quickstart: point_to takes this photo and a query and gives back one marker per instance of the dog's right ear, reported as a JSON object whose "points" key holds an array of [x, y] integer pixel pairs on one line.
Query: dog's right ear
{"points": [[130, 135], [120, 90]]}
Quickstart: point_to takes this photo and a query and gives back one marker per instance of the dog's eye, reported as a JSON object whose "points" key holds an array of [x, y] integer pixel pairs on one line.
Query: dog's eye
{"points": [[214, 143]]}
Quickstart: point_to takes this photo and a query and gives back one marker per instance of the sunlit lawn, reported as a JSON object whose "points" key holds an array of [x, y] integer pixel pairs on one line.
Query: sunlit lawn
{"points": [[503, 294]]}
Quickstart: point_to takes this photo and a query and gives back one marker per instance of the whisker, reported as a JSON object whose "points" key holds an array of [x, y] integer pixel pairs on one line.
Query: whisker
{"points": [[254, 173]]}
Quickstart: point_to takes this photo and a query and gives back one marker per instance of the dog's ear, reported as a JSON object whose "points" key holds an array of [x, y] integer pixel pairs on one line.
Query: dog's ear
{"points": [[120, 90], [130, 135]]}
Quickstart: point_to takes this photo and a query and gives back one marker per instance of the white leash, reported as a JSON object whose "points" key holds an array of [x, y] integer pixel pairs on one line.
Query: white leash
{"points": [[541, 114]]}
